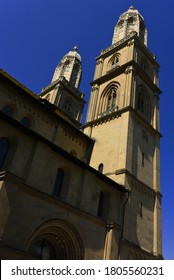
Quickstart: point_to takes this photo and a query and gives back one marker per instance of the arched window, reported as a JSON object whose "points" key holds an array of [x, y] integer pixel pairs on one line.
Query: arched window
{"points": [[25, 121], [74, 74], [67, 105], [4, 148], [111, 99], [130, 24], [67, 62], [100, 204], [58, 182], [113, 62], [108, 99], [143, 104], [142, 30], [100, 168], [143, 159], [144, 64], [130, 21], [141, 210], [8, 110]]}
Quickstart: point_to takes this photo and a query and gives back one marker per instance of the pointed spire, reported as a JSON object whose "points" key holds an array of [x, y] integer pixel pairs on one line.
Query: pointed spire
{"points": [[75, 48], [131, 8], [125, 27]]}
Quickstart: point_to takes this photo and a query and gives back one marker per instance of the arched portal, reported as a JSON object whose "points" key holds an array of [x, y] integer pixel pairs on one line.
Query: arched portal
{"points": [[56, 239]]}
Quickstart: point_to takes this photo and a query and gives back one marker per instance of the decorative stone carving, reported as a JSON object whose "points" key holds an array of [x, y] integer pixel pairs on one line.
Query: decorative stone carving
{"points": [[99, 61], [131, 42], [129, 69]]}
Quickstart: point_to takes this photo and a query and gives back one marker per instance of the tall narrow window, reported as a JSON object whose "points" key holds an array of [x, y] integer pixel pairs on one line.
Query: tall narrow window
{"points": [[141, 103], [67, 106], [58, 182], [4, 148], [143, 157], [111, 99], [114, 62], [114, 99], [100, 168], [74, 74], [141, 209], [100, 204], [142, 30]]}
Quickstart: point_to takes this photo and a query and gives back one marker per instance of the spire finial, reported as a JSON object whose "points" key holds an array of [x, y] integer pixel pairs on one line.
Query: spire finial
{"points": [[131, 8], [75, 48]]}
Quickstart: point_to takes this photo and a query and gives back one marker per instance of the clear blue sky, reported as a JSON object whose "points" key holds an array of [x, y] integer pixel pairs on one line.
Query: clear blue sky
{"points": [[35, 35]]}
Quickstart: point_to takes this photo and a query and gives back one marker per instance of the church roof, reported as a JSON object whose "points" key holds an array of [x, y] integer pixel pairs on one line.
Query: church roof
{"points": [[131, 11]]}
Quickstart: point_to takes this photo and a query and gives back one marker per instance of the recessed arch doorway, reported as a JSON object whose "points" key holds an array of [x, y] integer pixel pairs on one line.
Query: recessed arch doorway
{"points": [[56, 240]]}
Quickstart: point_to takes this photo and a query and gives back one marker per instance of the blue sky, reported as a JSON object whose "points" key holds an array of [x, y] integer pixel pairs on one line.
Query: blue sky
{"points": [[36, 34]]}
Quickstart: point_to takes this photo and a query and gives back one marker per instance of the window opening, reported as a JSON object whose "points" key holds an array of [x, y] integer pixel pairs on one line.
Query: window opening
{"points": [[67, 105], [111, 99], [25, 122], [141, 209], [115, 61], [8, 110], [100, 204], [143, 158], [58, 182], [100, 168], [4, 148]]}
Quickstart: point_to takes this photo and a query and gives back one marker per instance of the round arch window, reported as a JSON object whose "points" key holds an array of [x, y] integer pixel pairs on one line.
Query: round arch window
{"points": [[8, 110], [25, 121]]}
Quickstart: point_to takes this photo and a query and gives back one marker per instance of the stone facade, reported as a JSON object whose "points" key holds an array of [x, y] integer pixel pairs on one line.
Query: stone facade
{"points": [[66, 193], [123, 118]]}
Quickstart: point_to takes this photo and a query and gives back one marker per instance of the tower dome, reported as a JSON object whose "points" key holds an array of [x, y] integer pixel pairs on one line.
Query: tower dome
{"points": [[130, 21], [69, 67], [73, 53]]}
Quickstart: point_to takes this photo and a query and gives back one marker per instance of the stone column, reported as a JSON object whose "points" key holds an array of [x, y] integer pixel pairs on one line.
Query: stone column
{"points": [[98, 69], [157, 248], [92, 104], [108, 241], [130, 87]]}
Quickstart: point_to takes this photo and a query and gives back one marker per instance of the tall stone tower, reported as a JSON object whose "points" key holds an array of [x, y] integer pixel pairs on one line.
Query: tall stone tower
{"points": [[63, 92], [123, 119]]}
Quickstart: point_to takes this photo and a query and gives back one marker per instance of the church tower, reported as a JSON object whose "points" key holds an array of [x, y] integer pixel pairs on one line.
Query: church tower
{"points": [[63, 92], [123, 119]]}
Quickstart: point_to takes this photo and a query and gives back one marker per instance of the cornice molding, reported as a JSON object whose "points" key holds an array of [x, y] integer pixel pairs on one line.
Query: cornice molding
{"points": [[139, 185], [21, 184], [129, 40], [127, 68], [116, 114]]}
